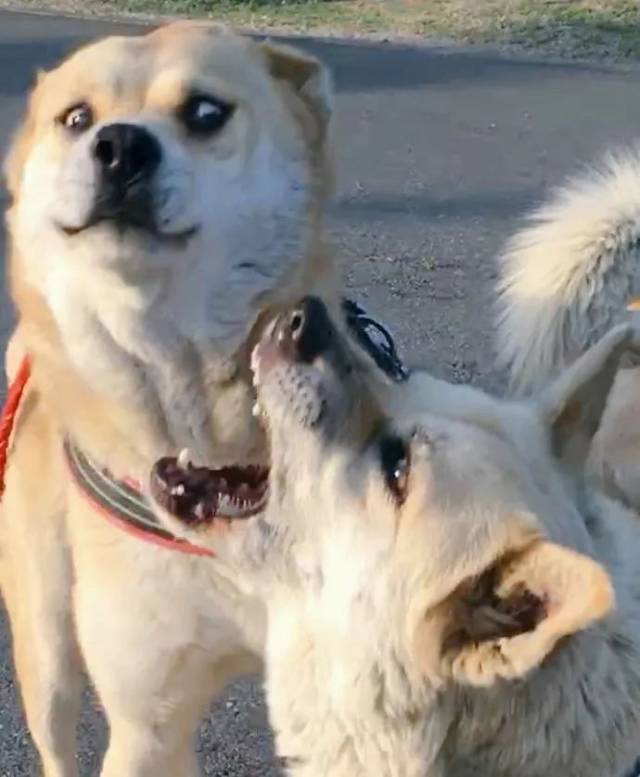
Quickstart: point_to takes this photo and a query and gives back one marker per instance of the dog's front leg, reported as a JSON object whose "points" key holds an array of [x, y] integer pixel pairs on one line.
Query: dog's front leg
{"points": [[36, 579]]}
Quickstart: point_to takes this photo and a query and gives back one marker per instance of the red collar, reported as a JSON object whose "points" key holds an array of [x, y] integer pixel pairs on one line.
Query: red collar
{"points": [[9, 410], [122, 502]]}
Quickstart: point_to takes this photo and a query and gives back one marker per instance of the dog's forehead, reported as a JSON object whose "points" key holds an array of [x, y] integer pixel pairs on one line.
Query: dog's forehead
{"points": [[119, 66], [469, 485], [228, 65], [207, 51], [473, 460], [120, 71]]}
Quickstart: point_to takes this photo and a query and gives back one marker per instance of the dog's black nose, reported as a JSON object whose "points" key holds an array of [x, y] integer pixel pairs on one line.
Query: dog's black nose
{"points": [[306, 331], [126, 153]]}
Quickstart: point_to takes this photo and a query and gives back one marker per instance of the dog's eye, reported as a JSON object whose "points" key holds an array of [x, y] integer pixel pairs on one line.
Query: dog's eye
{"points": [[396, 464], [205, 115], [78, 118]]}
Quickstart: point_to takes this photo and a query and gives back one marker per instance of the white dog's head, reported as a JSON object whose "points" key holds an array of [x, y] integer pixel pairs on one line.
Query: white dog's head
{"points": [[445, 516], [190, 155], [412, 549]]}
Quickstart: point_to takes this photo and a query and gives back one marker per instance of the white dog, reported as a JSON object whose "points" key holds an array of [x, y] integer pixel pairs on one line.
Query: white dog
{"points": [[445, 595]]}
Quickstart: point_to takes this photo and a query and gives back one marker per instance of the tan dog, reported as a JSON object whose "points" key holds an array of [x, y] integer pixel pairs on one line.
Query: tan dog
{"points": [[168, 190], [445, 596]]}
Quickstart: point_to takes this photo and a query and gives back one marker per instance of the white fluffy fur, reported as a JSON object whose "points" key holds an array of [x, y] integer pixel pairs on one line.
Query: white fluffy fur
{"points": [[565, 279], [568, 276]]}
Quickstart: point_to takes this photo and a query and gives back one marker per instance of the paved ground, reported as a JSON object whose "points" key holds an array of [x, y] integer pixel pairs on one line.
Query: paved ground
{"points": [[440, 152]]}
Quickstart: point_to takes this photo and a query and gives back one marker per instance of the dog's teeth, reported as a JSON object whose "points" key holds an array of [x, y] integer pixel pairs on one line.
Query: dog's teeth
{"points": [[258, 411], [178, 490], [184, 458]]}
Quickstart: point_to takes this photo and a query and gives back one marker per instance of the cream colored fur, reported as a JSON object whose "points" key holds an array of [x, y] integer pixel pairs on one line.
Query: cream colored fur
{"points": [[140, 347], [565, 279], [486, 620]]}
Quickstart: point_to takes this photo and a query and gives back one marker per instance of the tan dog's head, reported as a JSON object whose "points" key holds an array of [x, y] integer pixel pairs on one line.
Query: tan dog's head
{"points": [[443, 530], [189, 155]]}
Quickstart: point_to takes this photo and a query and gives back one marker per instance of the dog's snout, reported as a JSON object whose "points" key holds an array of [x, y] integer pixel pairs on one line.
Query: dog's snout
{"points": [[306, 331], [126, 153]]}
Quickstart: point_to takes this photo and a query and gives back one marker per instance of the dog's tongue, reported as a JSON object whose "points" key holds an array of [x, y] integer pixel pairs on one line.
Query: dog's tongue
{"points": [[197, 495]]}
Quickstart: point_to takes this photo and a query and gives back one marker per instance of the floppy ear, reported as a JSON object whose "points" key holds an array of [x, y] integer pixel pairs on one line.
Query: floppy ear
{"points": [[308, 77], [20, 145], [503, 624], [574, 403]]}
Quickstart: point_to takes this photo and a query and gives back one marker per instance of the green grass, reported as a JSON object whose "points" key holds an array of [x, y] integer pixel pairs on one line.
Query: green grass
{"points": [[584, 28], [607, 29]]}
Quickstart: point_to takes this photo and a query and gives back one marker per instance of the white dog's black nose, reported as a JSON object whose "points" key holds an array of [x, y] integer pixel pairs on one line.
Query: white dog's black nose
{"points": [[306, 332], [126, 154]]}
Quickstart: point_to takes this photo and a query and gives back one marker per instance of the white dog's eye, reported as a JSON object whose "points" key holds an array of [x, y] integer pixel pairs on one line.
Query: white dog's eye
{"points": [[396, 466], [77, 118], [205, 115]]}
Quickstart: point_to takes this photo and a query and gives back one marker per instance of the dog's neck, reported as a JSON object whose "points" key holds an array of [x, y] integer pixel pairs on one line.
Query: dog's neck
{"points": [[575, 716], [578, 712], [344, 699], [118, 349], [341, 701]]}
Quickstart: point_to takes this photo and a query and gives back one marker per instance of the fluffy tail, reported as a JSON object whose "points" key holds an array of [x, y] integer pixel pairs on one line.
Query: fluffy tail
{"points": [[569, 275]]}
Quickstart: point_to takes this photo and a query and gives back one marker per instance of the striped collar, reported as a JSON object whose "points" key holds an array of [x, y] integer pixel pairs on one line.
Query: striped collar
{"points": [[122, 503]]}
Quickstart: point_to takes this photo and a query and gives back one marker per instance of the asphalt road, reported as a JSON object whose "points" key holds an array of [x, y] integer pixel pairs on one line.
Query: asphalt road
{"points": [[440, 152]]}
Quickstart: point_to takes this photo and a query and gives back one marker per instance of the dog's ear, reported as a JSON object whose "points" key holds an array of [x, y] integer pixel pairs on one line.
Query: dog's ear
{"points": [[306, 75], [573, 404], [505, 622], [20, 144]]}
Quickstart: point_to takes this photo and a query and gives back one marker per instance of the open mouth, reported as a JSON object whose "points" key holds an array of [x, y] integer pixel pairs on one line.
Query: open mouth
{"points": [[201, 496]]}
